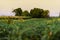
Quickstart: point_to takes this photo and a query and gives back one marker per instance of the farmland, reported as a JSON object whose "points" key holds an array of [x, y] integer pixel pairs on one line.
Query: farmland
{"points": [[30, 29]]}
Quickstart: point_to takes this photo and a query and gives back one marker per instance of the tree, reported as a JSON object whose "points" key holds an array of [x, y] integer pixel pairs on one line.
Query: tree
{"points": [[36, 12], [18, 11], [39, 13], [25, 13], [45, 13]]}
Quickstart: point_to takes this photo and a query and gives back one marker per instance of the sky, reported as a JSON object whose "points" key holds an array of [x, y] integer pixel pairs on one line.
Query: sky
{"points": [[6, 6]]}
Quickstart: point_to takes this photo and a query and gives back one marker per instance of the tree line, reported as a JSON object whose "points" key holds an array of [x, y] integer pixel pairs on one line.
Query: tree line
{"points": [[34, 13]]}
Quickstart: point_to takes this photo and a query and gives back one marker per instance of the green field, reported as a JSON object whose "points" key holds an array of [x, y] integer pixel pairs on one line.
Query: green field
{"points": [[30, 29]]}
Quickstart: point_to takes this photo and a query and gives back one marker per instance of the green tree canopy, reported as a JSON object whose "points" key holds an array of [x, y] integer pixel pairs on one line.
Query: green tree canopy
{"points": [[39, 13], [25, 13], [45, 13], [36, 12], [18, 11]]}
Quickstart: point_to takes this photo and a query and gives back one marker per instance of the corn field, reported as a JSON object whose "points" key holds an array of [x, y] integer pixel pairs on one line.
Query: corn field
{"points": [[30, 29]]}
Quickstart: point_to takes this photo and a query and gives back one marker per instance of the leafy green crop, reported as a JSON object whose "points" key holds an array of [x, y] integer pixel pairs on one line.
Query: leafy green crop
{"points": [[31, 29]]}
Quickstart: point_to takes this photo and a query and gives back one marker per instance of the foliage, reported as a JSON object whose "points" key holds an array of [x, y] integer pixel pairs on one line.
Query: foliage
{"points": [[18, 11], [34, 13], [25, 13], [45, 14], [31, 29], [39, 13]]}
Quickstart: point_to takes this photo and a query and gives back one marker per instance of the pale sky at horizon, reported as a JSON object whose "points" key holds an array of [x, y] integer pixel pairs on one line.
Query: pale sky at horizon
{"points": [[6, 6]]}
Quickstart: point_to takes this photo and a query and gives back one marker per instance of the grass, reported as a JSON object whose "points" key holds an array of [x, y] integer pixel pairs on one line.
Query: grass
{"points": [[30, 29]]}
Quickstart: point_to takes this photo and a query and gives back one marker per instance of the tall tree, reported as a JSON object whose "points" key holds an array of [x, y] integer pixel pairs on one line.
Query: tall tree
{"points": [[39, 13], [17, 11], [36, 12]]}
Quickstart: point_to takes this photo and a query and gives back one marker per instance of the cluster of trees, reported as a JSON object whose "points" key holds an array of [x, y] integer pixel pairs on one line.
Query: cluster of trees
{"points": [[34, 13]]}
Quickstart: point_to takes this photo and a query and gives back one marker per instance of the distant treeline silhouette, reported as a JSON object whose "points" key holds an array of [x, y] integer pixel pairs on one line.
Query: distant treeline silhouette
{"points": [[34, 13]]}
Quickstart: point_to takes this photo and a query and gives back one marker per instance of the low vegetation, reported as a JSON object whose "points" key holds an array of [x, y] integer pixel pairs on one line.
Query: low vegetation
{"points": [[30, 29]]}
